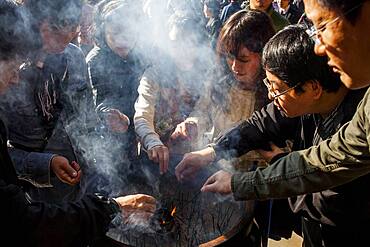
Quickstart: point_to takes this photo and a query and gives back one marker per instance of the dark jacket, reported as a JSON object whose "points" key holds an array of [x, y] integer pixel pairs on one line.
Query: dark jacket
{"points": [[39, 224], [115, 81], [213, 28], [54, 113], [329, 212], [229, 10], [293, 14]]}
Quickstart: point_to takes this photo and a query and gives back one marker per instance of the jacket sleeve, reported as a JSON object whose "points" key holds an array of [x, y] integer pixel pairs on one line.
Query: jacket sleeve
{"points": [[144, 113], [78, 95], [333, 162], [267, 125], [73, 224], [33, 167]]}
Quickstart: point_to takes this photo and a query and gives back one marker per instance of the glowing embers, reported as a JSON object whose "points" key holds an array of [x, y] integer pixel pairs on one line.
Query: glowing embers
{"points": [[166, 219]]}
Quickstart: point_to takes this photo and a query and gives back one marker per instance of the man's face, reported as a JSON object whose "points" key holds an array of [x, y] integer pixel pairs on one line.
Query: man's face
{"points": [[260, 4], [283, 3], [293, 104], [246, 67], [9, 74], [55, 39], [345, 44]]}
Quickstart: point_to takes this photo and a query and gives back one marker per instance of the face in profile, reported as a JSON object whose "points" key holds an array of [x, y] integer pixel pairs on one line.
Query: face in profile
{"points": [[9, 74], [291, 102], [56, 38], [246, 67], [344, 43]]}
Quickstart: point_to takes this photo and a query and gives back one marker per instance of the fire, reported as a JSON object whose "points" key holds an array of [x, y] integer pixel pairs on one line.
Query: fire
{"points": [[173, 211]]}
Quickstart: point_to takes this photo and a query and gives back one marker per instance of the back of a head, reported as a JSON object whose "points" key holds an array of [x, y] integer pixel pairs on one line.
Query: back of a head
{"points": [[248, 28], [61, 13], [290, 56], [16, 35]]}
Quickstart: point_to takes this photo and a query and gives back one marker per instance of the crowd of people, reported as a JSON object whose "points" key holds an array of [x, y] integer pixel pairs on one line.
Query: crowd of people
{"points": [[96, 95]]}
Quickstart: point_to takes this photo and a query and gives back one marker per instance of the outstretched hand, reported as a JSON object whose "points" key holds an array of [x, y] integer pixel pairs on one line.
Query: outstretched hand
{"points": [[193, 162], [136, 209], [220, 182], [69, 173], [117, 121], [160, 155]]}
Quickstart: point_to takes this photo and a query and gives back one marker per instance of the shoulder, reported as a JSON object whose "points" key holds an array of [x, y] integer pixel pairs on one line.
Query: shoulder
{"points": [[72, 49]]}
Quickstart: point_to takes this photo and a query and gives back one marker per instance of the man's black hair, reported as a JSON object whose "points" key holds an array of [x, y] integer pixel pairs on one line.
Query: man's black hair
{"points": [[16, 37], [290, 56], [61, 13], [343, 6]]}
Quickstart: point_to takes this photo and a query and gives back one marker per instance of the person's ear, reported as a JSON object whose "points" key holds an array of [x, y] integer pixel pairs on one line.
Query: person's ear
{"points": [[316, 89]]}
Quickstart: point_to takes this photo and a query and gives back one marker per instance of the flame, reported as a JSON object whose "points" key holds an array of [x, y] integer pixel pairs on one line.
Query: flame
{"points": [[173, 211]]}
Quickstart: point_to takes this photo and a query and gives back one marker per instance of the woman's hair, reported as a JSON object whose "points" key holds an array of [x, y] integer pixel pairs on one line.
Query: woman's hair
{"points": [[248, 28], [290, 56], [16, 36]]}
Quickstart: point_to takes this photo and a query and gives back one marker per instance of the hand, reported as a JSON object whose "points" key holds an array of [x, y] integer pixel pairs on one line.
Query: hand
{"points": [[186, 130], [160, 154], [268, 155], [192, 162], [220, 182], [136, 208], [67, 173], [117, 121]]}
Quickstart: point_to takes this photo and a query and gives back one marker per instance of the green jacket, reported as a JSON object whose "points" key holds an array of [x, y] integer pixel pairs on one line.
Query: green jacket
{"points": [[333, 162], [278, 20]]}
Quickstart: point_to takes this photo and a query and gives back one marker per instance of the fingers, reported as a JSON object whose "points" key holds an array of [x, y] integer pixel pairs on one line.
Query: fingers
{"points": [[71, 172], [75, 166], [220, 182], [152, 153], [67, 173], [160, 154], [209, 184], [165, 161], [117, 121], [181, 167]]}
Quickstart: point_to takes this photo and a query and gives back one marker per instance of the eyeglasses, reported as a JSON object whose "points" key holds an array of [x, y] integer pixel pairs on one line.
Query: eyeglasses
{"points": [[274, 95], [315, 34]]}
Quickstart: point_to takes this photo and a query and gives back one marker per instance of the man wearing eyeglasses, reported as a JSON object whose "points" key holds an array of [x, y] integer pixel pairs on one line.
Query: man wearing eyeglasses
{"points": [[309, 105], [52, 105]]}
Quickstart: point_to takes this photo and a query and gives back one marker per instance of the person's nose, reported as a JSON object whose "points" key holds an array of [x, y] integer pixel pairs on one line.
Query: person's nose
{"points": [[235, 66], [320, 48]]}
